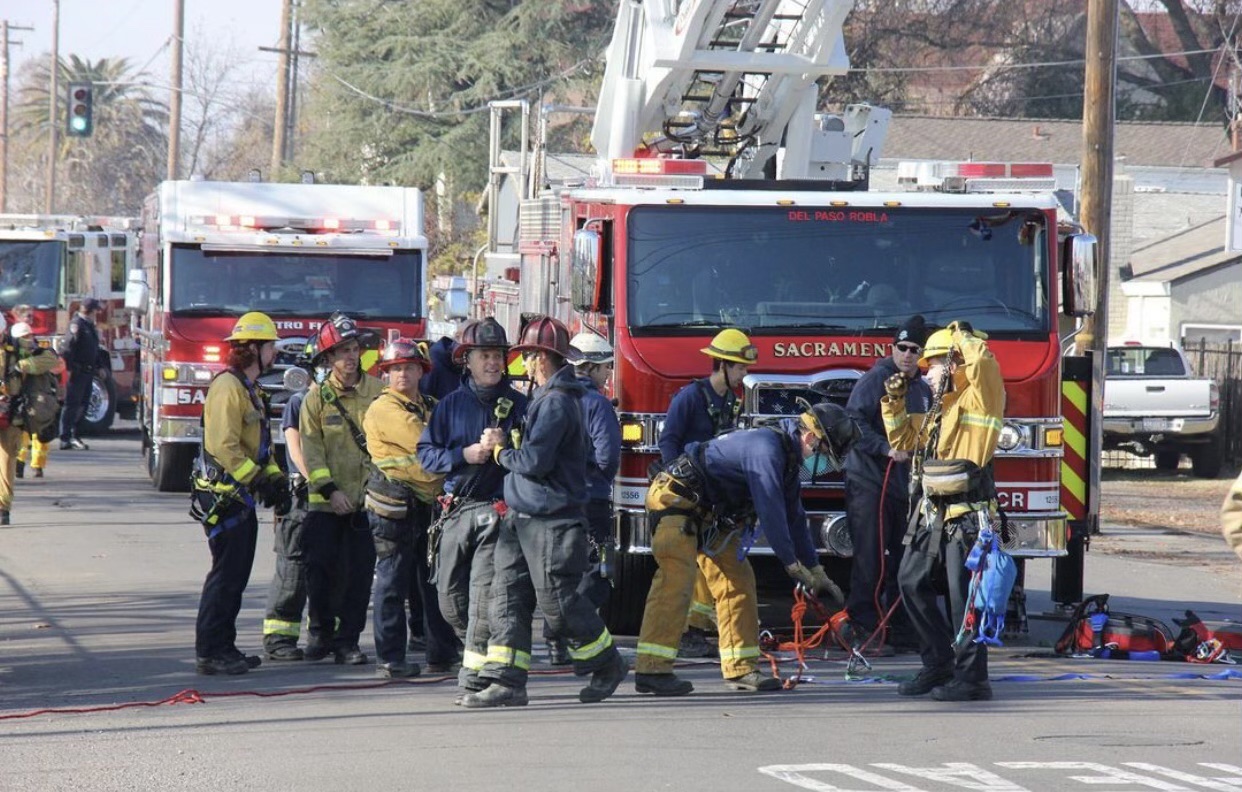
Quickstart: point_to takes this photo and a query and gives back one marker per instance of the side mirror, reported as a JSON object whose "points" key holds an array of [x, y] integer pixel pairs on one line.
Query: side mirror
{"points": [[457, 300], [585, 283], [1079, 266], [137, 293]]}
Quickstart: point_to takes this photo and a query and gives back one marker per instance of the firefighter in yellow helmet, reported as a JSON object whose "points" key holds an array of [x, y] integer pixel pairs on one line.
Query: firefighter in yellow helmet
{"points": [[955, 476], [705, 506], [700, 411], [234, 473]]}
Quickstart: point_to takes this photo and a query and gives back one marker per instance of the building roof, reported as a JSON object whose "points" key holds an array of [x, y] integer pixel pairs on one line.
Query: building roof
{"points": [[1182, 255], [1167, 144]]}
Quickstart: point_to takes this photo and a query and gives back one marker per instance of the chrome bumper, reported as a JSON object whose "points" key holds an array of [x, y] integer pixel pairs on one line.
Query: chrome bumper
{"points": [[1033, 534]]}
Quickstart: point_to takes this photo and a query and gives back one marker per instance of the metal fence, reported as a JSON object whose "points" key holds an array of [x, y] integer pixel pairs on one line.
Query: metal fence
{"points": [[1223, 363]]}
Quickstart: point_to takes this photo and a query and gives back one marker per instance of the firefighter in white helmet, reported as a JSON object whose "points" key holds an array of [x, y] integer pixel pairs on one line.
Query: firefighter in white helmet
{"points": [[968, 405], [603, 429]]}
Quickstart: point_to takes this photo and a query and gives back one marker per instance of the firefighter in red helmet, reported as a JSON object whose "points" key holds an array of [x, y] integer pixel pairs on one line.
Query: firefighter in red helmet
{"points": [[542, 539], [399, 497], [337, 462]]}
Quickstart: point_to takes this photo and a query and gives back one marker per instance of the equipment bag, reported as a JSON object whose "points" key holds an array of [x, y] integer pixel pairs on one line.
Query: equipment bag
{"points": [[948, 478], [386, 498], [1095, 630], [1207, 641], [39, 405]]}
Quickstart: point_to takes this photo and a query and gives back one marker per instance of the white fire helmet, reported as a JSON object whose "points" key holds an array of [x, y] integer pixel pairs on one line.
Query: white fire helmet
{"points": [[594, 348], [21, 330]]}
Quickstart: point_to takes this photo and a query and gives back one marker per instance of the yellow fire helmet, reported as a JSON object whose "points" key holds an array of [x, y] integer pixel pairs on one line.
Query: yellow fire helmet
{"points": [[732, 345], [254, 326], [938, 343]]}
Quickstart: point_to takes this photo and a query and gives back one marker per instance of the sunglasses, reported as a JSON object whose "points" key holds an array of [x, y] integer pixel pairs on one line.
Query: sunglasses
{"points": [[909, 348]]}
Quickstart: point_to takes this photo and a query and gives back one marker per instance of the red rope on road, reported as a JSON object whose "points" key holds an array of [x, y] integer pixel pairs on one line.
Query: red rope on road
{"points": [[192, 696]]}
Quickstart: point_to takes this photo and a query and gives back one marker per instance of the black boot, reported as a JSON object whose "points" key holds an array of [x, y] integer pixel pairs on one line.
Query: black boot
{"points": [[21, 469], [662, 684], [604, 681]]}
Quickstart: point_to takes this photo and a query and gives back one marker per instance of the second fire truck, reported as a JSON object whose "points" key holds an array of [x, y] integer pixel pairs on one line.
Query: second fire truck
{"points": [[212, 251]]}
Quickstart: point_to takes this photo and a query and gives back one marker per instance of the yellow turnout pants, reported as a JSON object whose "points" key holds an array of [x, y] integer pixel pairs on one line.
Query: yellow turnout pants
{"points": [[33, 451], [10, 441], [730, 581], [702, 606]]}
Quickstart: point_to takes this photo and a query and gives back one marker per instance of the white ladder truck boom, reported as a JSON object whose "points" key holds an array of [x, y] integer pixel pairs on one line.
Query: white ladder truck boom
{"points": [[735, 79]]}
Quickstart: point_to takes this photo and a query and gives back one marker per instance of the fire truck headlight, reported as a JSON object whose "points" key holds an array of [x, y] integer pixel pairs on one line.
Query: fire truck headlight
{"points": [[1054, 438], [169, 373], [1011, 437], [295, 379]]}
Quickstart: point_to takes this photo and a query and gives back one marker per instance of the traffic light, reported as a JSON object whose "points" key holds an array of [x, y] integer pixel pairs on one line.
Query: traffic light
{"points": [[79, 122]]}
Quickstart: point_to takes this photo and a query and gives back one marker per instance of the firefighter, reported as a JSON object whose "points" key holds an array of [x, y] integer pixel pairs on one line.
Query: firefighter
{"points": [[33, 450], [968, 405], [399, 498], [700, 411], [20, 359], [542, 540], [705, 506], [286, 596], [1231, 517], [234, 471], [445, 373], [465, 531], [877, 492], [336, 537], [604, 433], [81, 354]]}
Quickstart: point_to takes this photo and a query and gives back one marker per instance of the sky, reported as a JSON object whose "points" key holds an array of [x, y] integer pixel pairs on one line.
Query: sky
{"points": [[140, 30]]}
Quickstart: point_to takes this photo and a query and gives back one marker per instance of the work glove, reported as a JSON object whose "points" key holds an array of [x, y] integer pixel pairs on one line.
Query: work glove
{"points": [[962, 330], [270, 488], [895, 386], [802, 575], [825, 587]]}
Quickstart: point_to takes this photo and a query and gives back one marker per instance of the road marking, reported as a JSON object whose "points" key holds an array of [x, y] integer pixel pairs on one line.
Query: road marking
{"points": [[965, 775]]}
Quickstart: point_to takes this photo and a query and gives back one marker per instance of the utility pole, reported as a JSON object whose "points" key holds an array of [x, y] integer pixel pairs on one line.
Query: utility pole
{"points": [[281, 125], [5, 43], [174, 101], [292, 126], [1097, 161], [53, 99]]}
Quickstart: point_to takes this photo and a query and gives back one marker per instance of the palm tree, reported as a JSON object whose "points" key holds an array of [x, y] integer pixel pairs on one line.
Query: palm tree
{"points": [[122, 160]]}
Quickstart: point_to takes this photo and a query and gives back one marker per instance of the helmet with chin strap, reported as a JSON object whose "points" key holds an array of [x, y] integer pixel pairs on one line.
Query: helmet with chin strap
{"points": [[832, 425]]}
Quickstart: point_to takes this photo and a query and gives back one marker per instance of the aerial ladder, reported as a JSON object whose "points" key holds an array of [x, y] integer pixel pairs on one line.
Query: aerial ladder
{"points": [[737, 80]]}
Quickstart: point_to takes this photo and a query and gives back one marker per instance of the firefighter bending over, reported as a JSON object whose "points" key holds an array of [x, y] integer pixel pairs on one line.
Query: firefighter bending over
{"points": [[542, 540], [953, 447], [705, 505]]}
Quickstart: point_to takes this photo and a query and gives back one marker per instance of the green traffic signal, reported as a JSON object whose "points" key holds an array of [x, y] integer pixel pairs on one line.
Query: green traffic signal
{"points": [[81, 100]]}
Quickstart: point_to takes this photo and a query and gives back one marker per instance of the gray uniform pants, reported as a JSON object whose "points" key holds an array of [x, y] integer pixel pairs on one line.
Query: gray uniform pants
{"points": [[542, 560], [937, 558], [286, 596], [463, 578]]}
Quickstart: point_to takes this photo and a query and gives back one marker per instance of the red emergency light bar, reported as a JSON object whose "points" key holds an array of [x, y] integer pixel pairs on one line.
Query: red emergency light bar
{"points": [[1004, 170], [656, 166], [310, 224]]}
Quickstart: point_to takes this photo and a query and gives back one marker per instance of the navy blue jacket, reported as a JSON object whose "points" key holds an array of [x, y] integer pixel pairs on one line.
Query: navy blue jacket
{"points": [[690, 418], [868, 458], [547, 474], [749, 467], [458, 421], [445, 376], [604, 432]]}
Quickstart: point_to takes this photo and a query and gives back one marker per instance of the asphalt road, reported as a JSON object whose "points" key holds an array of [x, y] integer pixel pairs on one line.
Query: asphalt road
{"points": [[99, 583]]}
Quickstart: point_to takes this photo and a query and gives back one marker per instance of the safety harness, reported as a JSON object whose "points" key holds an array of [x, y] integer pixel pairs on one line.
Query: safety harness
{"points": [[217, 500], [450, 503]]}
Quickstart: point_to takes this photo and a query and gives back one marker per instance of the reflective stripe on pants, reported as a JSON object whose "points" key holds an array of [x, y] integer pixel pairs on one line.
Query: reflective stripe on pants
{"points": [[732, 584]]}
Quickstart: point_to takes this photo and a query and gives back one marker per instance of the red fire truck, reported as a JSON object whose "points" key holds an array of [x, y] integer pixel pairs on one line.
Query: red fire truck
{"points": [[722, 199], [53, 262], [212, 251]]}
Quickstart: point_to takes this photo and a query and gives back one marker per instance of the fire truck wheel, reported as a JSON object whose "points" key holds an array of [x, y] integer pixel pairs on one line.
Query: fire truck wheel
{"points": [[170, 465], [101, 407], [624, 611]]}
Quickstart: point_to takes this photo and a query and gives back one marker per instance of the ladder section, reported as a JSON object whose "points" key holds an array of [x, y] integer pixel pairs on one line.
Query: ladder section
{"points": [[714, 78]]}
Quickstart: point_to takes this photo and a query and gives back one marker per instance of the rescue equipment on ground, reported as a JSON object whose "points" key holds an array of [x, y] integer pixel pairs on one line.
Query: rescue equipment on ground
{"points": [[1096, 631]]}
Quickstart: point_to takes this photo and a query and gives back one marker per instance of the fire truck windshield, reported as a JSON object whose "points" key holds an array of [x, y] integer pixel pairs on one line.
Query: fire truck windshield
{"points": [[30, 273], [286, 284], [843, 269]]}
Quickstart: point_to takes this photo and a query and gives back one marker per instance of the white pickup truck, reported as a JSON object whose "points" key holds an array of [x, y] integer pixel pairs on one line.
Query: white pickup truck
{"points": [[1153, 406]]}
